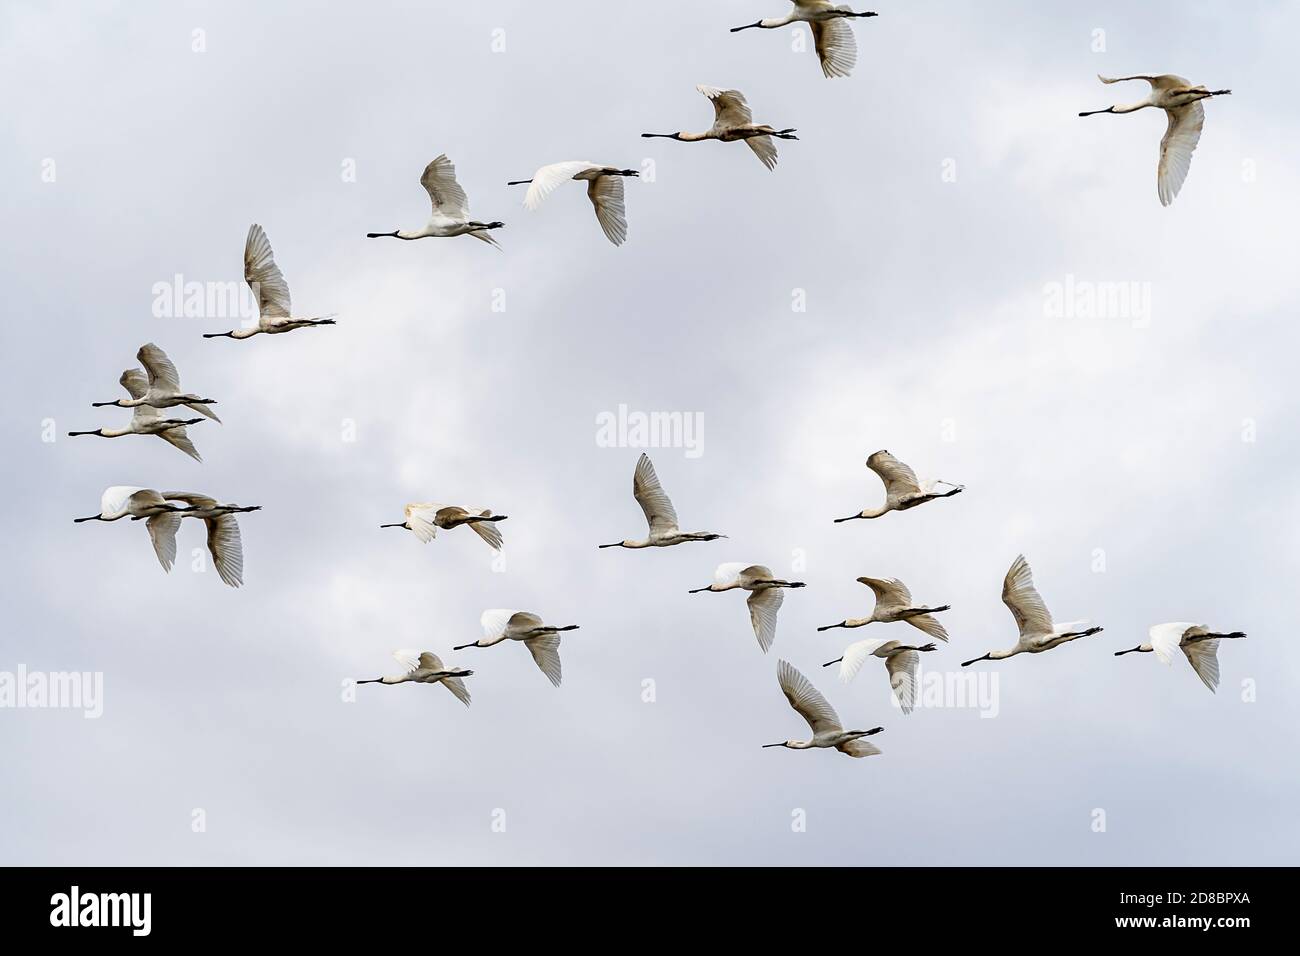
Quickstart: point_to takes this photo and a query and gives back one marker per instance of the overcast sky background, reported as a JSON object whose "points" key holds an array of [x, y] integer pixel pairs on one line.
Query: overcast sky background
{"points": [[926, 332]]}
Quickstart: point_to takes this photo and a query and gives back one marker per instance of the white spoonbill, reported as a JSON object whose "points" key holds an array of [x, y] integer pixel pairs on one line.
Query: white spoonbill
{"points": [[424, 520], [832, 34], [542, 640], [765, 597], [1037, 632], [224, 542], [274, 310], [822, 719], [161, 517], [733, 122], [894, 603], [162, 389], [604, 189], [450, 209], [1198, 643], [902, 489], [426, 667], [1182, 105], [146, 420], [901, 661], [659, 512]]}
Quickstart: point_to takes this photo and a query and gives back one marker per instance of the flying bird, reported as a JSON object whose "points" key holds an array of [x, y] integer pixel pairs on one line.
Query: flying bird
{"points": [[542, 641], [450, 215], [146, 420], [901, 662], [224, 542], [902, 489], [894, 603], [1198, 643], [733, 122], [765, 597], [832, 35], [424, 520], [426, 667], [659, 512], [274, 311], [822, 719], [162, 387], [1182, 105], [161, 517], [604, 189], [1037, 632]]}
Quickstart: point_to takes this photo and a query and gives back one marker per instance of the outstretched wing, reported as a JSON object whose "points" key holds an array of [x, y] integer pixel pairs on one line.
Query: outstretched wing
{"points": [[162, 532], [162, 373], [227, 549], [419, 518], [263, 275], [898, 478], [1180, 139], [807, 700], [487, 530], [546, 179], [1204, 657], [888, 591], [1163, 81], [457, 686], [546, 652], [135, 382], [859, 748], [1026, 604], [191, 498], [606, 195], [1165, 638], [763, 606], [729, 107], [494, 622], [764, 149], [439, 181], [836, 47], [902, 678], [176, 436], [650, 495], [930, 624], [857, 654]]}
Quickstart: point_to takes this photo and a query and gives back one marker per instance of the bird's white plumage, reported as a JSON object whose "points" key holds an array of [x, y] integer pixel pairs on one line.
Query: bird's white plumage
{"points": [[807, 700], [446, 195], [162, 532], [837, 49], [1165, 638], [857, 654], [659, 512], [728, 573], [495, 621], [546, 652], [1026, 604], [763, 607], [606, 195], [548, 178], [1176, 147], [162, 373], [264, 277]]}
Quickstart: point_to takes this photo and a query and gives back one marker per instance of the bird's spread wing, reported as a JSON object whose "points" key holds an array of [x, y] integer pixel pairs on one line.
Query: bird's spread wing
{"points": [[729, 107], [135, 496], [191, 498], [764, 149], [546, 179], [457, 687], [650, 495], [1204, 658], [546, 652], [902, 678], [430, 661], [162, 532], [162, 373], [487, 530], [930, 624], [203, 410], [807, 699], [419, 518], [1181, 137], [888, 591], [1165, 638], [439, 181], [606, 195], [857, 654], [135, 382], [226, 548], [176, 436], [898, 478], [263, 275], [729, 572], [859, 748], [409, 658], [1026, 604], [836, 47], [763, 606], [494, 622], [1164, 81]]}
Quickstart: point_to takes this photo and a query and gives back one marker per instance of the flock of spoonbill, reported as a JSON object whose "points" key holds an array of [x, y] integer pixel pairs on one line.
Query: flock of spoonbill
{"points": [[157, 388]]}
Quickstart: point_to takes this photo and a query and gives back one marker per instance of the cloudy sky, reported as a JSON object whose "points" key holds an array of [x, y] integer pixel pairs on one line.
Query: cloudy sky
{"points": [[897, 282]]}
